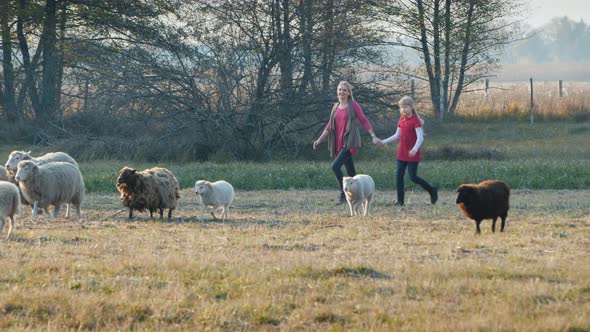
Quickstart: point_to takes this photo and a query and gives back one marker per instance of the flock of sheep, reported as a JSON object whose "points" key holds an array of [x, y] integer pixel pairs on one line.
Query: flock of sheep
{"points": [[55, 179]]}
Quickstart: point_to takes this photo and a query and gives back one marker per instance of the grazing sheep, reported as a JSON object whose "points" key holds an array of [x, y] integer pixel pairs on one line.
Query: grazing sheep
{"points": [[17, 156], [3, 174], [53, 183], [359, 191], [9, 204], [487, 200], [216, 194], [152, 189]]}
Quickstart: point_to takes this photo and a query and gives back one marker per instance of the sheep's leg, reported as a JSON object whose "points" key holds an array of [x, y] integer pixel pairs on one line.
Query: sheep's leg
{"points": [[10, 223], [35, 210], [477, 222], [151, 214], [130, 213], [2, 225], [48, 214], [161, 214], [201, 218], [56, 212], [350, 207], [169, 214], [367, 206], [213, 212], [494, 225], [78, 212], [503, 223], [68, 210], [224, 213]]}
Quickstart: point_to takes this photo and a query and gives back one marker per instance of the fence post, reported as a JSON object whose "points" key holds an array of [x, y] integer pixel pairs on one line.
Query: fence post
{"points": [[413, 89], [532, 104], [487, 86], [560, 88]]}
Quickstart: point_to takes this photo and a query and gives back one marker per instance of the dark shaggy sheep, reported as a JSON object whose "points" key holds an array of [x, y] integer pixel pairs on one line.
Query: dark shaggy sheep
{"points": [[487, 200], [152, 189]]}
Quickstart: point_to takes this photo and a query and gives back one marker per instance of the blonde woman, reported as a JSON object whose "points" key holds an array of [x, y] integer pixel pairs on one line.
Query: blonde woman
{"points": [[343, 133]]}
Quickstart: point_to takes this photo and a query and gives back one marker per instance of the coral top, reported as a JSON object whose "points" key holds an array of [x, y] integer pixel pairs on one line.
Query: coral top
{"points": [[340, 121], [408, 138]]}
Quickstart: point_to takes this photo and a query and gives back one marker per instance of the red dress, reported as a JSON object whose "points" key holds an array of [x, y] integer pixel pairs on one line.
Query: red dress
{"points": [[408, 138], [340, 121]]}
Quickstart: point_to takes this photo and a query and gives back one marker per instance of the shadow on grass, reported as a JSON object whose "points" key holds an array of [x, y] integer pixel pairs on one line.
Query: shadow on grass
{"points": [[44, 239], [355, 272]]}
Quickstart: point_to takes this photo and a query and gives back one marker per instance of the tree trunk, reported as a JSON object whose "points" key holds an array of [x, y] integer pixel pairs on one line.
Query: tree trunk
{"points": [[447, 43], [426, 54], [9, 92], [328, 47], [29, 84], [464, 55], [49, 83]]}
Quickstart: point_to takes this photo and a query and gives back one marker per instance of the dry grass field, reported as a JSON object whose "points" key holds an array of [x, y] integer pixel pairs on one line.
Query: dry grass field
{"points": [[292, 260]]}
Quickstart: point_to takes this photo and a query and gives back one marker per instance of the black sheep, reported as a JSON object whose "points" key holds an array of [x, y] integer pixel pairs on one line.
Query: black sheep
{"points": [[487, 200]]}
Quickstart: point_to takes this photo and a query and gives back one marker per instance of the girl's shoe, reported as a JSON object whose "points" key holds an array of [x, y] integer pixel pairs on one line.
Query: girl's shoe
{"points": [[434, 195]]}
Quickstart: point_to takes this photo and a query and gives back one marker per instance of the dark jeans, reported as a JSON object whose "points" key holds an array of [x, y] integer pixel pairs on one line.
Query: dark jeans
{"points": [[343, 158], [413, 170]]}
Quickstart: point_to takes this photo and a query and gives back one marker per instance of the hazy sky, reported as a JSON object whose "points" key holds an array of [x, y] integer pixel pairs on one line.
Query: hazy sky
{"points": [[542, 11]]}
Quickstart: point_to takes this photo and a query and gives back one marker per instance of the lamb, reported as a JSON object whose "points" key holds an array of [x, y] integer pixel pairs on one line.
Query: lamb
{"points": [[486, 200], [53, 183], [9, 204], [152, 189], [359, 191], [17, 156], [216, 194]]}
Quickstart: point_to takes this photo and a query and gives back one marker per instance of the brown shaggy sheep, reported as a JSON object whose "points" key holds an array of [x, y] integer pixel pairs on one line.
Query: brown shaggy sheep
{"points": [[487, 200], [152, 189]]}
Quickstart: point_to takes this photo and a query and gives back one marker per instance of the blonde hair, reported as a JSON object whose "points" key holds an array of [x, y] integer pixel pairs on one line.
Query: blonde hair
{"points": [[407, 100], [348, 86]]}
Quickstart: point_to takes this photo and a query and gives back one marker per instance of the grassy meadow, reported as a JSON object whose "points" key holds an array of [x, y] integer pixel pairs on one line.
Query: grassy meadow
{"points": [[288, 258]]}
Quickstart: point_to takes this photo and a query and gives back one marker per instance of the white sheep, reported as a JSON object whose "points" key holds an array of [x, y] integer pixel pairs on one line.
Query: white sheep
{"points": [[359, 191], [216, 194], [9, 204], [16, 157], [51, 184]]}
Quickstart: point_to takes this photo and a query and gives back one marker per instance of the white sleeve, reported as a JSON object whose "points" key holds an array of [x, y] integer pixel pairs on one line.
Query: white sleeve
{"points": [[393, 138], [419, 138]]}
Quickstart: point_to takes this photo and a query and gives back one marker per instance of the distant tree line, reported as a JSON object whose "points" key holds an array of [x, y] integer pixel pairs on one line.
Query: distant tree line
{"points": [[560, 40], [248, 79]]}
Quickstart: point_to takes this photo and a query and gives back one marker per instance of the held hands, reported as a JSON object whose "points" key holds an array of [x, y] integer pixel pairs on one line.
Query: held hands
{"points": [[412, 152], [377, 141]]}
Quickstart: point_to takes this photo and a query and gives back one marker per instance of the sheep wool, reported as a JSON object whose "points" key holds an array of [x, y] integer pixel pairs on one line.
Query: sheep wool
{"points": [[3, 174], [152, 189], [218, 194], [16, 157], [53, 183], [359, 191], [9, 205], [486, 200]]}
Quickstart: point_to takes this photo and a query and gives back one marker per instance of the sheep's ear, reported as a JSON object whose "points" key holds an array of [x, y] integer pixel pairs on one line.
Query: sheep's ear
{"points": [[28, 152], [209, 186]]}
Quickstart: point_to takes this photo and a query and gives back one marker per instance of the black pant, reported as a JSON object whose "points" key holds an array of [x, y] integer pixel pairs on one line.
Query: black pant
{"points": [[413, 170], [343, 158]]}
